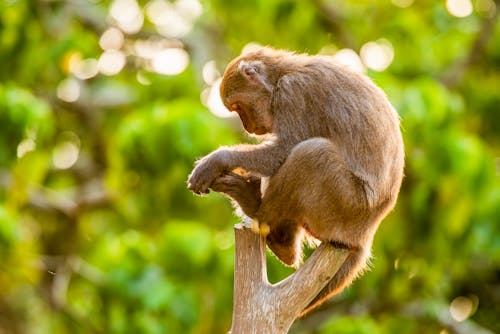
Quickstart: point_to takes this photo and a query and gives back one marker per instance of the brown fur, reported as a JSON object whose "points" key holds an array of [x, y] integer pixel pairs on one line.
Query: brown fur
{"points": [[333, 153]]}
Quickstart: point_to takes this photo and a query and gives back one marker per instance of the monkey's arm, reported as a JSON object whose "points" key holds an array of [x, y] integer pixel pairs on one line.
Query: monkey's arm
{"points": [[262, 159]]}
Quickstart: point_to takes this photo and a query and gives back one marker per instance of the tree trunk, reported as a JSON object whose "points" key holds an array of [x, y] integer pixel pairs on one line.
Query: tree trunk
{"points": [[260, 307]]}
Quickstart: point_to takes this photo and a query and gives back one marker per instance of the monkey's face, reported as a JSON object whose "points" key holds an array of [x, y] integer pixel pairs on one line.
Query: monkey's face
{"points": [[246, 90], [255, 117]]}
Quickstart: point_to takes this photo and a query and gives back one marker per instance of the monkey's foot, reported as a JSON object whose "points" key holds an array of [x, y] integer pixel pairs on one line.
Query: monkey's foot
{"points": [[262, 229], [286, 254], [245, 190]]}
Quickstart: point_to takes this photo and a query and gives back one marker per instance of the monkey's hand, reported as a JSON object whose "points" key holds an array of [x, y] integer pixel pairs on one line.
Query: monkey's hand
{"points": [[204, 173]]}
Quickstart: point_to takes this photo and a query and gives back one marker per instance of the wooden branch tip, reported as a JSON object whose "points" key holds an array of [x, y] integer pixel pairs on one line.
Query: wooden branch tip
{"points": [[262, 308]]}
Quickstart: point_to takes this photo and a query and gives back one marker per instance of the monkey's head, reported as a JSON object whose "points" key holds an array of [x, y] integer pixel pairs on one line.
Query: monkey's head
{"points": [[247, 88]]}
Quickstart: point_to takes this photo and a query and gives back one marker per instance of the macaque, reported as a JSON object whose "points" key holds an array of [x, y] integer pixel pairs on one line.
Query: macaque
{"points": [[331, 151]]}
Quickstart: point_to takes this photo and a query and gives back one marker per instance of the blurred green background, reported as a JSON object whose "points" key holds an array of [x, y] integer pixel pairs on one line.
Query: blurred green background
{"points": [[104, 106]]}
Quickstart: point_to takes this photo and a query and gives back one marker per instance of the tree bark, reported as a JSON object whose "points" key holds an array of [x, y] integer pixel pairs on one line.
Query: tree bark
{"points": [[260, 307]]}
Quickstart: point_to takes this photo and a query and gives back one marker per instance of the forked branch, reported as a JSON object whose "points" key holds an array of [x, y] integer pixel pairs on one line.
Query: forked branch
{"points": [[260, 307]]}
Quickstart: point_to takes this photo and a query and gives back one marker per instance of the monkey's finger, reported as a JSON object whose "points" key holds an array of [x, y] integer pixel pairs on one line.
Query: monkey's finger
{"points": [[201, 192], [197, 190]]}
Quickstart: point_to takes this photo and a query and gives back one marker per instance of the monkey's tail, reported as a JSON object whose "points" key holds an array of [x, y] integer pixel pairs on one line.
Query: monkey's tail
{"points": [[353, 266]]}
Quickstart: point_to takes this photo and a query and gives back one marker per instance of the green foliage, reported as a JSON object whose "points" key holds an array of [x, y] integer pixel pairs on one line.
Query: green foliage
{"points": [[351, 325], [98, 233], [24, 117]]}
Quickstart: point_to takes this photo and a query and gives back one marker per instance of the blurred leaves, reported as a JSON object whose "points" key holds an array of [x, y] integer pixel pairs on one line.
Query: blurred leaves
{"points": [[98, 233]]}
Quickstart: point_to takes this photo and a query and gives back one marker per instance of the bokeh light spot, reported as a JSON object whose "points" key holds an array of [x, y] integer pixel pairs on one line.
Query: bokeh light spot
{"points": [[112, 39], [459, 8], [170, 61], [157, 11], [68, 90], [111, 62], [190, 9], [70, 61], [25, 146], [142, 78], [463, 307], [377, 55], [86, 69], [211, 98], [210, 73], [349, 58], [65, 155], [128, 15], [173, 19]]}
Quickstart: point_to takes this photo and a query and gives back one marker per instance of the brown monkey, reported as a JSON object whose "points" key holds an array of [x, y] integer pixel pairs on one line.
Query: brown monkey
{"points": [[333, 153]]}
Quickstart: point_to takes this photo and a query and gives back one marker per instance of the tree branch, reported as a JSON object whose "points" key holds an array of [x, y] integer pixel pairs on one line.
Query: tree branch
{"points": [[300, 288], [260, 307]]}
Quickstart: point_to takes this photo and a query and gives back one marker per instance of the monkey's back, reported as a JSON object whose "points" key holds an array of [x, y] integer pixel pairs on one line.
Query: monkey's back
{"points": [[334, 102]]}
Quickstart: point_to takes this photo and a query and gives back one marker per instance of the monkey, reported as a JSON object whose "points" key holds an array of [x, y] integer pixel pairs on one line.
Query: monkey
{"points": [[331, 151]]}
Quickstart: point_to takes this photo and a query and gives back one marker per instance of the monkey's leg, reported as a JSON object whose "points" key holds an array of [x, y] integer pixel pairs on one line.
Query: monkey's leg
{"points": [[279, 209], [315, 189], [245, 190], [285, 241]]}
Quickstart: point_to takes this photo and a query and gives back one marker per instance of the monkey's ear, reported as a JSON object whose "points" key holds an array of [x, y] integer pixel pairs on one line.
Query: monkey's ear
{"points": [[248, 70], [254, 73]]}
